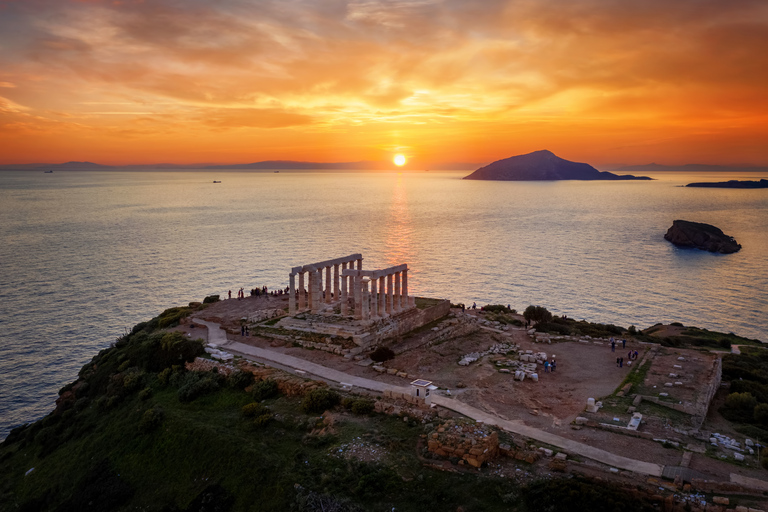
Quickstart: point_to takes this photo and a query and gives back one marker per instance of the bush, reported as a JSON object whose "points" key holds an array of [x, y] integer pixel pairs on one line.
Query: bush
{"points": [[382, 354], [760, 414], [264, 389], [743, 401], [211, 299], [261, 415], [725, 343], [253, 409], [145, 393], [553, 328], [151, 420], [164, 375], [632, 329], [496, 308], [240, 379], [537, 314], [319, 400], [195, 384], [362, 407]]}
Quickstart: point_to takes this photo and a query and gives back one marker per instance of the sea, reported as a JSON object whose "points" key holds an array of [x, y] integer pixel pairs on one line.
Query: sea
{"points": [[85, 255]]}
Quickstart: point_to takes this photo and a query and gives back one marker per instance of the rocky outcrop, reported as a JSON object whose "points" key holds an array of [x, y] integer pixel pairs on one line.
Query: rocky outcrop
{"points": [[731, 184], [543, 166], [702, 236]]}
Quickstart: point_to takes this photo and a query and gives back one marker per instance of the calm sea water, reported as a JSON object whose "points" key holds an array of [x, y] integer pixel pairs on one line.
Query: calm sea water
{"points": [[85, 255]]}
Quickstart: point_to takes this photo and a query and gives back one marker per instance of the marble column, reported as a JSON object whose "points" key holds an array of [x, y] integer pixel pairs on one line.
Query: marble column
{"points": [[382, 297], [292, 294], [398, 298], [365, 312], [360, 264], [406, 299], [356, 282], [389, 294], [336, 282], [314, 285], [328, 289], [374, 300], [302, 292], [344, 296]]}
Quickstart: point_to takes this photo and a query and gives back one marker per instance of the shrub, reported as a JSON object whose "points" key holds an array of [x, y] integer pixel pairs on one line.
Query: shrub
{"points": [[240, 379], [163, 376], [760, 414], [264, 389], [211, 299], [132, 381], [632, 329], [725, 343], [382, 354], [253, 409], [537, 314], [496, 308], [677, 324], [145, 393], [195, 384], [319, 400], [743, 401], [151, 419], [362, 407]]}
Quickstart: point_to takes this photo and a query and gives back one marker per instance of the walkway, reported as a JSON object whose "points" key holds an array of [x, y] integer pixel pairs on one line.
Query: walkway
{"points": [[297, 365]]}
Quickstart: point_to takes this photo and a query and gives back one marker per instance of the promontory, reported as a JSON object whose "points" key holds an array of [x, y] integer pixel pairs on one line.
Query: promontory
{"points": [[543, 166], [706, 237]]}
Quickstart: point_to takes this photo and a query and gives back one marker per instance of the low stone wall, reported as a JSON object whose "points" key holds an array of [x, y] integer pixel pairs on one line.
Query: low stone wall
{"points": [[714, 379], [401, 324], [472, 443]]}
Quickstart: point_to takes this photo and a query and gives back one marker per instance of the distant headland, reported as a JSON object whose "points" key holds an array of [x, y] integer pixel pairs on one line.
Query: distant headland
{"points": [[731, 184], [543, 166]]}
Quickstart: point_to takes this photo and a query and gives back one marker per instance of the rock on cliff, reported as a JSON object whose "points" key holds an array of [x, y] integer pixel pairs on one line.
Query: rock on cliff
{"points": [[540, 166], [702, 236]]}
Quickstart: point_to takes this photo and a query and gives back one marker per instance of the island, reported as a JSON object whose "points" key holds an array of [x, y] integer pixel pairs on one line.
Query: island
{"points": [[702, 236], [763, 183], [543, 166]]}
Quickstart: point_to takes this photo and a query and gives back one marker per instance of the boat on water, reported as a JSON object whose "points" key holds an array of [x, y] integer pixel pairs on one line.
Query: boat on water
{"points": [[277, 171], [47, 172], [216, 181]]}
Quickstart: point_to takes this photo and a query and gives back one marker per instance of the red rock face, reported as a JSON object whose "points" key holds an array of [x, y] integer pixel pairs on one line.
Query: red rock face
{"points": [[697, 235]]}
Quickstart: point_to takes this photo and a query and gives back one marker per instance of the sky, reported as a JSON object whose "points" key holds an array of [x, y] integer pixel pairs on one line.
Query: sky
{"points": [[607, 82]]}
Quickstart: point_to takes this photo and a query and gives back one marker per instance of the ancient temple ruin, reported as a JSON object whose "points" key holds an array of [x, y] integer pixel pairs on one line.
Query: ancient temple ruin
{"points": [[362, 294]]}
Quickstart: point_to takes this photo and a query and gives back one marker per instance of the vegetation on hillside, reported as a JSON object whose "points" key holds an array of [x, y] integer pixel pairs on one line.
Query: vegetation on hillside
{"points": [[137, 431], [747, 401]]}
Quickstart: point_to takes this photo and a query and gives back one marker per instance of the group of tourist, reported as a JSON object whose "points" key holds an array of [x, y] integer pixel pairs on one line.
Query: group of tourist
{"points": [[613, 344], [240, 294], [550, 367]]}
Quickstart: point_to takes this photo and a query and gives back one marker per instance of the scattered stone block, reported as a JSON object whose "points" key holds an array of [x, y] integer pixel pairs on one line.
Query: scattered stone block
{"points": [[668, 384], [738, 456], [677, 367], [720, 500], [580, 420], [664, 394]]}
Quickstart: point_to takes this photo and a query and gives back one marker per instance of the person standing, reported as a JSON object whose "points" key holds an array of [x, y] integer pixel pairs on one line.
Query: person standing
{"points": [[230, 294], [613, 345]]}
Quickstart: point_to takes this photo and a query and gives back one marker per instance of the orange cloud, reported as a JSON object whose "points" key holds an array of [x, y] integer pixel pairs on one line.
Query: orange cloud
{"points": [[608, 80]]}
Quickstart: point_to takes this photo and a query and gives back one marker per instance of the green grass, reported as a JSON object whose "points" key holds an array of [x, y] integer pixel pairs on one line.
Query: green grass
{"points": [[424, 302]]}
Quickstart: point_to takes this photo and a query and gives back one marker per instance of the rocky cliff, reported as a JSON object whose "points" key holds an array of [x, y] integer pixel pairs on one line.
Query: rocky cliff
{"points": [[702, 236], [542, 166]]}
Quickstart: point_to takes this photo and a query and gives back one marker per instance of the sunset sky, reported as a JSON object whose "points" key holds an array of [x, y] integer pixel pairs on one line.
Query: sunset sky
{"points": [[227, 81]]}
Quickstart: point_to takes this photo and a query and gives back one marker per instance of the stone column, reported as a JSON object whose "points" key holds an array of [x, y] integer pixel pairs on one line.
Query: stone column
{"points": [[336, 282], [360, 264], [328, 288], [398, 297], [406, 299], [302, 293], [365, 312], [291, 294], [357, 297], [389, 294], [344, 296], [358, 283], [314, 285], [374, 300], [382, 297]]}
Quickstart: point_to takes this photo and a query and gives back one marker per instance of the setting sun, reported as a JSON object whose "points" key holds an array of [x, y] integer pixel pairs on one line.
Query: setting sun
{"points": [[399, 160]]}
